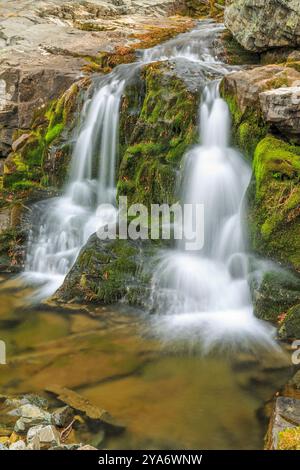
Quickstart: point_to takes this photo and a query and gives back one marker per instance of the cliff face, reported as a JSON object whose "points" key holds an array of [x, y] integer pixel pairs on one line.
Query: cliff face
{"points": [[259, 25]]}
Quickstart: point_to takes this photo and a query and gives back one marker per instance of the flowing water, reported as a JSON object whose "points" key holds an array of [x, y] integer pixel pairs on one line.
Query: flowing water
{"points": [[168, 397], [206, 296]]}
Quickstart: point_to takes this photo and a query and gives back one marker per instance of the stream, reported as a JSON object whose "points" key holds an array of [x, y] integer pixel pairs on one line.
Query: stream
{"points": [[196, 374]]}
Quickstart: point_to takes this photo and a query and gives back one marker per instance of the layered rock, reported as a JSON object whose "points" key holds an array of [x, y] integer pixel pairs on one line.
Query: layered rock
{"points": [[259, 25], [46, 46]]}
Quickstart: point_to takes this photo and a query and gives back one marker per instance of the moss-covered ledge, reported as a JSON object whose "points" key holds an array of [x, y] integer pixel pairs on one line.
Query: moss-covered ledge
{"points": [[274, 201], [158, 124]]}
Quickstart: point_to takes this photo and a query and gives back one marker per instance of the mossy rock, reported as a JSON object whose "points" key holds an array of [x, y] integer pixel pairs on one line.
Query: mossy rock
{"points": [[158, 124], [290, 326], [248, 126], [28, 166], [107, 271], [274, 201], [274, 294]]}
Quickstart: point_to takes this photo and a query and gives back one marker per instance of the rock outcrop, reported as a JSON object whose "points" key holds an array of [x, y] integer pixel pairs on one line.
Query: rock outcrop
{"points": [[259, 25], [46, 46]]}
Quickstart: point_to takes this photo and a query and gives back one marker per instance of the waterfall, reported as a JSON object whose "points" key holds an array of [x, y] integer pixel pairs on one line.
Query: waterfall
{"points": [[197, 295], [65, 223], [205, 296]]}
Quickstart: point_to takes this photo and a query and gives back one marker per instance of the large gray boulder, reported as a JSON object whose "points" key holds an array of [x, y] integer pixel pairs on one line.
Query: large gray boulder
{"points": [[259, 25]]}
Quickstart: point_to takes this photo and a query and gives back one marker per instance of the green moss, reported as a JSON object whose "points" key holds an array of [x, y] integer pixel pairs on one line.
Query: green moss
{"points": [[290, 326], [248, 126], [235, 53], [275, 203], [26, 168], [161, 126]]}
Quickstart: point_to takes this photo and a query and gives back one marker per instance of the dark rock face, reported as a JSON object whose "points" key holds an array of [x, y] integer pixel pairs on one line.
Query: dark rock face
{"points": [[259, 25]]}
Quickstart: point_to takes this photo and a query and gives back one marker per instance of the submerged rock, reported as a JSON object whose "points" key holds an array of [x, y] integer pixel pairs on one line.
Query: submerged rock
{"points": [[261, 25], [19, 445]]}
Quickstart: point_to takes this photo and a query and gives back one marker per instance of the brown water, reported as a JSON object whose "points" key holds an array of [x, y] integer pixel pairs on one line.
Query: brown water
{"points": [[167, 397]]}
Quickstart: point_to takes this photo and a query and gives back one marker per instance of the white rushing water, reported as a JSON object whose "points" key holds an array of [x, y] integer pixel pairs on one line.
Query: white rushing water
{"points": [[202, 295], [66, 223], [205, 296]]}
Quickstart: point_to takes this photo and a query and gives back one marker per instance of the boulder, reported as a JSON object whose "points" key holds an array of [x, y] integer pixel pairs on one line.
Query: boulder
{"points": [[107, 271], [259, 25], [281, 109]]}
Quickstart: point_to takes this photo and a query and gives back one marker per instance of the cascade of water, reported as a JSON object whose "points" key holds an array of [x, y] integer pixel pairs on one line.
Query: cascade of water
{"points": [[65, 223], [202, 293], [205, 294]]}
